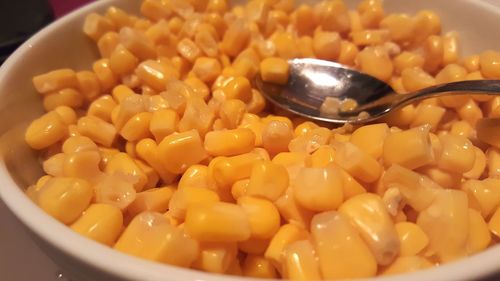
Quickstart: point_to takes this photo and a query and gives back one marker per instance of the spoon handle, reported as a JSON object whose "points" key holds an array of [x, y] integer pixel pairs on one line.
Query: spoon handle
{"points": [[472, 87]]}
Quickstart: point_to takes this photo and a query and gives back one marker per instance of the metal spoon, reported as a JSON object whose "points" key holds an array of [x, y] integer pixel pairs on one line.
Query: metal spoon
{"points": [[312, 80]]}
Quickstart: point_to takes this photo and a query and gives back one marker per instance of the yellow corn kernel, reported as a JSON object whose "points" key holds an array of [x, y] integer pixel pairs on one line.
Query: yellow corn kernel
{"points": [[54, 165], [137, 43], [371, 138], [462, 128], [332, 15], [124, 164], [493, 160], [286, 45], [156, 10], [253, 246], [291, 211], [208, 222], [487, 131], [286, 234], [137, 127], [302, 19], [470, 112], [55, 80], [65, 97], [65, 198], [407, 60], [119, 17], [107, 79], [239, 188], [446, 223], [231, 112], [188, 49], [163, 123], [445, 179], [348, 53], [195, 176], [407, 264], [433, 53], [322, 157], [417, 190], [371, 13], [276, 136], [326, 45], [341, 251], [188, 196], [122, 61], [488, 62], [357, 163], [229, 142], [235, 39], [263, 216], [216, 257], [400, 26], [494, 223], [471, 63], [207, 69], [310, 141], [370, 37], [121, 92], [479, 235], [428, 114], [77, 144], [179, 151], [426, 23], [397, 84], [200, 89], [107, 43], [274, 70], [100, 222], [483, 195], [304, 128], [457, 155], [350, 186], [412, 238], [411, 148], [376, 62], [300, 261], [155, 74], [402, 117], [82, 164], [154, 199], [97, 130], [479, 165], [150, 236], [197, 115], [415, 79], [96, 26], [46, 130], [152, 176], [267, 180], [258, 267], [238, 88], [102, 108], [147, 150], [217, 6], [319, 189], [88, 84], [370, 217]]}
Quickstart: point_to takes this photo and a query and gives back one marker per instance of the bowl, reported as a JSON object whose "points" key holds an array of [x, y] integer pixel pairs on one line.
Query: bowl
{"points": [[62, 44]]}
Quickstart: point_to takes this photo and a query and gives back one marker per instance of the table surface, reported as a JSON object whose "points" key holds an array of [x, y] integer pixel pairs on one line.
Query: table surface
{"points": [[18, 251]]}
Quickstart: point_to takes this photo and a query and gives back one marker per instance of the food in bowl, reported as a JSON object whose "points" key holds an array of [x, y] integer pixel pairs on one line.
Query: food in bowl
{"points": [[165, 151]]}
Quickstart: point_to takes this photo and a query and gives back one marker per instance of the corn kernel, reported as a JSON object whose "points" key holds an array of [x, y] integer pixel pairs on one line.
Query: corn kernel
{"points": [[407, 264], [156, 9], [479, 235], [494, 223], [88, 84], [357, 162], [147, 150], [124, 164], [375, 61], [412, 238], [100, 222], [179, 151], [410, 148], [400, 26], [458, 154], [487, 131], [55, 80], [197, 115], [46, 130], [376, 135], [259, 267], [263, 216], [216, 257], [96, 26], [229, 142], [326, 45], [82, 164], [267, 180], [137, 43], [97, 130], [300, 261], [483, 195], [319, 189]]}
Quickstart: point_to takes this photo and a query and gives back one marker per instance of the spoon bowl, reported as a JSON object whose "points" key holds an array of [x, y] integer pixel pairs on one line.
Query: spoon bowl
{"points": [[311, 81]]}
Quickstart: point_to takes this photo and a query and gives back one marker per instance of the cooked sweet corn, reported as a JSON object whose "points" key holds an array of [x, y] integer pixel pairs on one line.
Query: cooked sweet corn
{"points": [[167, 138]]}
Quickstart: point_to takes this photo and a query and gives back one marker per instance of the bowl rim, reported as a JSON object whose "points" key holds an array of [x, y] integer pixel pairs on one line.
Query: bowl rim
{"points": [[131, 268]]}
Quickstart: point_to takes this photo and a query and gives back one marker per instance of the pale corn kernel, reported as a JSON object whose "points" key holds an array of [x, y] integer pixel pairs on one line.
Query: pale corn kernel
{"points": [[114, 190], [238, 88], [494, 223], [150, 236], [310, 141], [470, 112], [122, 61], [119, 17], [107, 43], [65, 198], [46, 130], [341, 251], [55, 80], [414, 79], [489, 64], [407, 60], [484, 195], [417, 190], [197, 115], [96, 25], [188, 196], [147, 150], [479, 235], [376, 62], [179, 151], [300, 261], [263, 216], [53, 166], [319, 189], [276, 136], [479, 165], [407, 264], [97, 130], [207, 42], [433, 53], [82, 164], [107, 79], [163, 123], [137, 127], [216, 257], [412, 238], [428, 115], [100, 222], [332, 15], [229, 142], [231, 113], [357, 163], [208, 222], [267, 180], [88, 84], [348, 53], [410, 148], [123, 164], [371, 138], [274, 70], [137, 43], [258, 267], [400, 26], [156, 9], [369, 216], [487, 131], [291, 211], [370, 37], [350, 186], [442, 177], [446, 224], [458, 154], [326, 45], [207, 69]]}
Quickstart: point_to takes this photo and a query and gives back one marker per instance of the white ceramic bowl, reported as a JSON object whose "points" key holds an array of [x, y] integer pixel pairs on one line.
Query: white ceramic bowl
{"points": [[62, 44]]}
